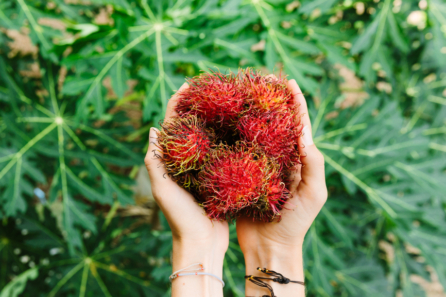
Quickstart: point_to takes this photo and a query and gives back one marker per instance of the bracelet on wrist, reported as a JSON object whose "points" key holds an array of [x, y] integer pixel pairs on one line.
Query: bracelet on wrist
{"points": [[277, 277], [193, 269]]}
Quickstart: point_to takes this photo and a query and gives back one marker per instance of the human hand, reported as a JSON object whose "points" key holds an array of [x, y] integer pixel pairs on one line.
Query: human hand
{"points": [[196, 239], [278, 245]]}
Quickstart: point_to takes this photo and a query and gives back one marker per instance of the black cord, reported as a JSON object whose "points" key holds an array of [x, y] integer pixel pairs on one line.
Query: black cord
{"points": [[278, 278]]}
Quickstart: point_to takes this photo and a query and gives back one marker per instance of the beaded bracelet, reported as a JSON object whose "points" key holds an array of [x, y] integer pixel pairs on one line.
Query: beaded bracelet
{"points": [[190, 271], [279, 278]]}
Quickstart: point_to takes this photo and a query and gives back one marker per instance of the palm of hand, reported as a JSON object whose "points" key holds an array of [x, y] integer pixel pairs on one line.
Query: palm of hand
{"points": [[186, 218], [308, 190], [297, 217]]}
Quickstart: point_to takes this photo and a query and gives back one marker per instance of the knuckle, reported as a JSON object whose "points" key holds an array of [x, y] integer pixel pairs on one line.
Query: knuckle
{"points": [[297, 178], [148, 161], [324, 194], [171, 103], [319, 158]]}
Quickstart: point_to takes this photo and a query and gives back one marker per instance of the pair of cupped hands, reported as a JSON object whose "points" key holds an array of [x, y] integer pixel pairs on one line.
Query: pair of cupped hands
{"points": [[276, 246]]}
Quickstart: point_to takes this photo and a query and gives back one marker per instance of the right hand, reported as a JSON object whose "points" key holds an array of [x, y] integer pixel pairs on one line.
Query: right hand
{"points": [[278, 245]]}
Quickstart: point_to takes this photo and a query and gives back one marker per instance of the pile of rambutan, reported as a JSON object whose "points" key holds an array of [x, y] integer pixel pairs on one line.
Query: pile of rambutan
{"points": [[234, 143]]}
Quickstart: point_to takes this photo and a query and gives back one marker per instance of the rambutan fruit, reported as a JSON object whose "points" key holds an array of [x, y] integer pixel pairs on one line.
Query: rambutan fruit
{"points": [[266, 93], [216, 98], [233, 143], [269, 206], [185, 143], [275, 131], [235, 178]]}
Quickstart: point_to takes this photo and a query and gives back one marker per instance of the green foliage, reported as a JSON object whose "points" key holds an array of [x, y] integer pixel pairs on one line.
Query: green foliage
{"points": [[78, 97]]}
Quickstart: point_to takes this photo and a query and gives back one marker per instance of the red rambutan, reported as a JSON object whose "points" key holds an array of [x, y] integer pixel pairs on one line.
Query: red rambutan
{"points": [[214, 97], [235, 178], [276, 132], [185, 143], [265, 92], [256, 122]]}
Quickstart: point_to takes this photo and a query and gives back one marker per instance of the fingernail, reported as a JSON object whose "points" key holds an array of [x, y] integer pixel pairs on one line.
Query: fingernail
{"points": [[154, 132], [306, 136], [271, 76], [183, 86], [295, 87]]}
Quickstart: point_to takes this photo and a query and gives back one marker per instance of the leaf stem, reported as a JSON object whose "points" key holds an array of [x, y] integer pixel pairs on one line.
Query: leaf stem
{"points": [[115, 58], [437, 147], [122, 274], [371, 193], [414, 118], [52, 88], [84, 281], [337, 132], [99, 280], [26, 147], [272, 34], [65, 279]]}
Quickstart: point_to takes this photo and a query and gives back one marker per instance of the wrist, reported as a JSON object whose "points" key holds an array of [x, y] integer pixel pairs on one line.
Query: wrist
{"points": [[207, 253], [286, 260]]}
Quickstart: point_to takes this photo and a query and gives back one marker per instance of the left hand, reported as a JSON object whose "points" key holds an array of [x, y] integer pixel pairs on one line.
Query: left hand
{"points": [[196, 239]]}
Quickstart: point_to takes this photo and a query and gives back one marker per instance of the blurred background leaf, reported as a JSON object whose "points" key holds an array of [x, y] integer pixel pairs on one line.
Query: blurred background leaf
{"points": [[82, 81]]}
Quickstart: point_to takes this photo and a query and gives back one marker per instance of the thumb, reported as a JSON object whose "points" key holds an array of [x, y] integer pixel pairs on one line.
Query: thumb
{"points": [[154, 156], [313, 169]]}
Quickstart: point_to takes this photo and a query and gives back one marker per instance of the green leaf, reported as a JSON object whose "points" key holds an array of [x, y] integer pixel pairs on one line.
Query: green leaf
{"points": [[14, 202], [298, 45], [395, 34], [76, 213], [323, 5], [88, 191], [365, 40], [17, 285], [119, 78]]}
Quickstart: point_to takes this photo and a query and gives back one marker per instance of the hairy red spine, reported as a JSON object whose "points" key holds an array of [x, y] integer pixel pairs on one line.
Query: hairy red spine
{"points": [[236, 178], [276, 131], [214, 97], [265, 93], [257, 114], [185, 143]]}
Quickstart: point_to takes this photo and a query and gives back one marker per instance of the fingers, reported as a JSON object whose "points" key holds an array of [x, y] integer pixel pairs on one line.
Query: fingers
{"points": [[173, 200], [299, 99], [170, 110], [154, 154], [295, 177], [312, 172], [271, 76]]}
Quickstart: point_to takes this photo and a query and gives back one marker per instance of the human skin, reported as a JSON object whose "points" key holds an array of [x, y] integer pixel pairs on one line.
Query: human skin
{"points": [[196, 239], [278, 246]]}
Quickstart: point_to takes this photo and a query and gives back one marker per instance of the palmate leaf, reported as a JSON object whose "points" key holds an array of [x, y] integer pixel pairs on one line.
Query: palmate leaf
{"points": [[384, 154], [290, 66], [390, 146], [96, 269], [75, 214]]}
